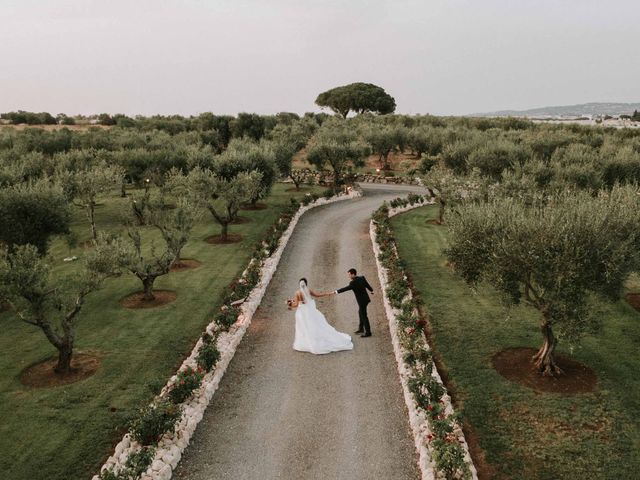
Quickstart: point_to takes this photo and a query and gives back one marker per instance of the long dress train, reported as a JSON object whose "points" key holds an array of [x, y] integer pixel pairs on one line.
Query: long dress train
{"points": [[313, 332]]}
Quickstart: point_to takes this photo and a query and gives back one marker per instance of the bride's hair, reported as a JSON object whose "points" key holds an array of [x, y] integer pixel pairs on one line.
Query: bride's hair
{"points": [[303, 280]]}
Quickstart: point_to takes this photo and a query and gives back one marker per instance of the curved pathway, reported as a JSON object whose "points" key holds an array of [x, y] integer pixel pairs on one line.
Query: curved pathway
{"points": [[284, 414]]}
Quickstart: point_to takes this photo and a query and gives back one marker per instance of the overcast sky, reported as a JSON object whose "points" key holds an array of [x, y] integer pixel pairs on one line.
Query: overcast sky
{"points": [[266, 56]]}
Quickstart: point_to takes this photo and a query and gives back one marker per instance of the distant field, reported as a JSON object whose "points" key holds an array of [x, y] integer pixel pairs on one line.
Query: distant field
{"points": [[49, 128], [527, 434], [66, 432]]}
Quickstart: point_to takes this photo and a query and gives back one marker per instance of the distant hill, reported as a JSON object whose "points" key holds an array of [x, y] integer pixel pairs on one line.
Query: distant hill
{"points": [[595, 108]]}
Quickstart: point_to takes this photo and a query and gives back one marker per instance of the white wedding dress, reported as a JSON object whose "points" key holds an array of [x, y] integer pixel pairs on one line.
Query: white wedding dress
{"points": [[313, 333]]}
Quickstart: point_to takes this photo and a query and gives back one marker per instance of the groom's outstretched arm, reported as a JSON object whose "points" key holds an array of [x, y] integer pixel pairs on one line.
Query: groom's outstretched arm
{"points": [[345, 289]]}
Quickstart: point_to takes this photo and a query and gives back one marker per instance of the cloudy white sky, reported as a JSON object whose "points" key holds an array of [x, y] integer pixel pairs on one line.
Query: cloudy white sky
{"points": [[266, 56]]}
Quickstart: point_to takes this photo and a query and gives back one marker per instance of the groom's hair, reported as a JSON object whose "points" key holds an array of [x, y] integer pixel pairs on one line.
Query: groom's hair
{"points": [[303, 280], [352, 271]]}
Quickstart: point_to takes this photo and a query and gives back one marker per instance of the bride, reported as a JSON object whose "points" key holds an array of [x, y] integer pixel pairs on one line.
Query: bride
{"points": [[313, 333]]}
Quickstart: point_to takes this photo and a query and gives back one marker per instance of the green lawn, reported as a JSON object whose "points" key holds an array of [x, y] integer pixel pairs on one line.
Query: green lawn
{"points": [[66, 432], [526, 434]]}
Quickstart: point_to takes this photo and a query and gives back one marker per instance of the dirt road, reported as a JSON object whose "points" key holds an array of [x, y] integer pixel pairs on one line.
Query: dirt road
{"points": [[291, 415]]}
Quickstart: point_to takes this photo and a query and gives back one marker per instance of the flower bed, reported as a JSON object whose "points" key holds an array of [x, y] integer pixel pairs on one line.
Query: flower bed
{"points": [[443, 451], [166, 426]]}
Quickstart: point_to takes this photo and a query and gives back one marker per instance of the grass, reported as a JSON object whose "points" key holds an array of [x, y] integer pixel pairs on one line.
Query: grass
{"points": [[526, 434], [66, 432]]}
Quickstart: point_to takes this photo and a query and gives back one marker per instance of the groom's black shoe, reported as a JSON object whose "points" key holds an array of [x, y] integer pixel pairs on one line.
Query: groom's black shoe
{"points": [[359, 331], [367, 334]]}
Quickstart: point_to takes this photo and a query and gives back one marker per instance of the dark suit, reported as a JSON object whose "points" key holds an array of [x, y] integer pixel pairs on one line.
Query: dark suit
{"points": [[359, 285]]}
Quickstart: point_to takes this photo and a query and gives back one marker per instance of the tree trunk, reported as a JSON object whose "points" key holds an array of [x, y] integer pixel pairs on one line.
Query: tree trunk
{"points": [[176, 263], [92, 220], [139, 216], [225, 231], [123, 191], [64, 358], [441, 210], [544, 360], [295, 181], [147, 283]]}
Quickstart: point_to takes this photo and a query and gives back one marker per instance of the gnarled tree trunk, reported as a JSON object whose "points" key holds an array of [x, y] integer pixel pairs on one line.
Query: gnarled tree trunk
{"points": [[544, 359], [296, 182], [147, 284], [63, 343], [225, 230], [65, 353]]}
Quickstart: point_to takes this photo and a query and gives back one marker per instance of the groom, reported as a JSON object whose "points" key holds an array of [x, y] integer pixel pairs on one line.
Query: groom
{"points": [[359, 285]]}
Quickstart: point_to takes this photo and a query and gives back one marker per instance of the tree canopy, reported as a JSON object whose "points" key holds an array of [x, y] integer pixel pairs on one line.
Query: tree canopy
{"points": [[32, 214], [552, 255], [357, 97]]}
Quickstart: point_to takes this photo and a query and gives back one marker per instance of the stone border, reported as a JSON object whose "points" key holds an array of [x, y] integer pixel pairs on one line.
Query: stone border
{"points": [[171, 446], [417, 419]]}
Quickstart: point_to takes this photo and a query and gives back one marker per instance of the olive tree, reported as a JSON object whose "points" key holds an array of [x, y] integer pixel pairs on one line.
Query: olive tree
{"points": [[497, 156], [53, 304], [552, 255], [424, 139], [138, 250], [383, 140], [85, 184], [31, 214], [222, 197], [286, 141], [337, 147], [450, 188], [244, 155]]}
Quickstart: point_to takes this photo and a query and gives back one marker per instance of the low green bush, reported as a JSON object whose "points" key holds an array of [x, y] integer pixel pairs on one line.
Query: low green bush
{"points": [[187, 381], [137, 463], [153, 421], [208, 355], [226, 317]]}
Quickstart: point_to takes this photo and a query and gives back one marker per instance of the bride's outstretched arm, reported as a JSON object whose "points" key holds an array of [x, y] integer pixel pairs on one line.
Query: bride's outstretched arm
{"points": [[321, 294]]}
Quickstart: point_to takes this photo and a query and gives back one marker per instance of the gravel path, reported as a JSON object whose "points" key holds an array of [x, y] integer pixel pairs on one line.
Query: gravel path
{"points": [[284, 414]]}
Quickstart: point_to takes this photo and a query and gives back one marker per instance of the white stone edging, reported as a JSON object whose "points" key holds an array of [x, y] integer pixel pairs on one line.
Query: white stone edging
{"points": [[417, 419], [171, 446]]}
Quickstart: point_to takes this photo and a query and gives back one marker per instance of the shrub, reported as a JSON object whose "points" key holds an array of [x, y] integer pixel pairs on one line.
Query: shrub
{"points": [[252, 274], [397, 291], [226, 317], [427, 163], [186, 382], [137, 463], [153, 421], [414, 198], [110, 475], [208, 355], [328, 193]]}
